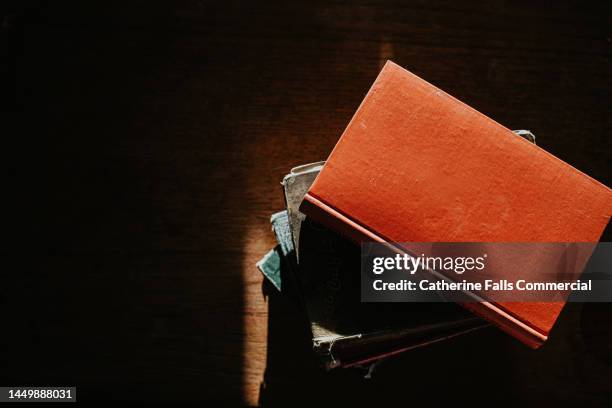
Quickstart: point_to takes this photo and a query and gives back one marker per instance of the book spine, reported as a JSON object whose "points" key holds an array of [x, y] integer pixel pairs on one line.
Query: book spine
{"points": [[331, 218], [509, 324], [336, 221]]}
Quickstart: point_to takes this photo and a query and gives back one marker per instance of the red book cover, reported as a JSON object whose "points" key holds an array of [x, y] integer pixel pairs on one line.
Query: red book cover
{"points": [[417, 165]]}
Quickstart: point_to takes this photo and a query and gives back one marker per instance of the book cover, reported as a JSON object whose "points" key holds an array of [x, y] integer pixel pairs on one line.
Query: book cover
{"points": [[345, 331], [432, 169]]}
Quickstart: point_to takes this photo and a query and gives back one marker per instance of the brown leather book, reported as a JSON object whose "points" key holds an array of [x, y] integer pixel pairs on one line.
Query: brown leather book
{"points": [[432, 169]]}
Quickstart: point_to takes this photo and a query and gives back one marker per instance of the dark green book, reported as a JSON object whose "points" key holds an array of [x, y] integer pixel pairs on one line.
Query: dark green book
{"points": [[345, 331]]}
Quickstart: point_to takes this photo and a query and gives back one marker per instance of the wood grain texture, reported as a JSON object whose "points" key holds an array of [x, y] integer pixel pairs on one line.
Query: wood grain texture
{"points": [[152, 138]]}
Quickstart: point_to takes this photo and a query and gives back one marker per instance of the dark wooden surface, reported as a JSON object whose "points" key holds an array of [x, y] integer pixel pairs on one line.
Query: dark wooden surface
{"points": [[149, 141]]}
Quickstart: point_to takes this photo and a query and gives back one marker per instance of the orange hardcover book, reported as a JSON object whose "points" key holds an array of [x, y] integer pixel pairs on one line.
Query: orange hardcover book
{"points": [[432, 169]]}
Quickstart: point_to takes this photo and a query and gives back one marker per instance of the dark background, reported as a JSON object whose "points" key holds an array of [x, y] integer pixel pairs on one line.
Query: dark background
{"points": [[143, 146]]}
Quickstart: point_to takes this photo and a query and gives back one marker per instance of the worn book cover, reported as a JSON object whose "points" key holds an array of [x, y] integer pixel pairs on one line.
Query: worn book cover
{"points": [[432, 169], [346, 331]]}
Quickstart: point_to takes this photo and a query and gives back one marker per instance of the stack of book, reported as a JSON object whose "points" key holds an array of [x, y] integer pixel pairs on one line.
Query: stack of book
{"points": [[401, 173]]}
